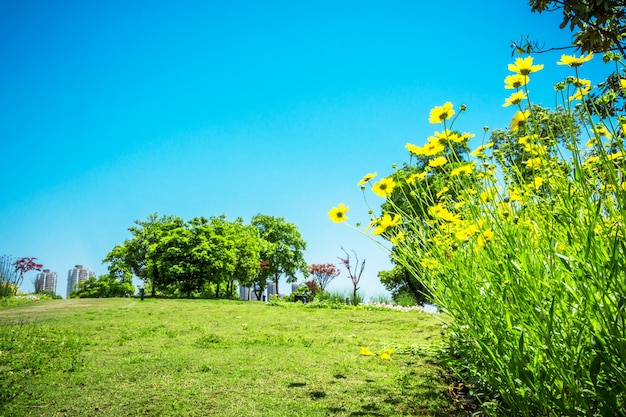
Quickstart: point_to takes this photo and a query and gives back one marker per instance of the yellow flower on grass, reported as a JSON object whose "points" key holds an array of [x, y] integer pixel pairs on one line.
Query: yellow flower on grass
{"points": [[614, 156], [442, 191], [366, 352], [429, 263], [338, 214], [385, 356], [514, 99], [440, 212], [514, 195], [386, 222], [440, 113], [573, 61], [367, 178], [384, 187], [485, 237], [463, 170], [519, 119], [622, 83], [437, 162], [524, 66], [515, 81]]}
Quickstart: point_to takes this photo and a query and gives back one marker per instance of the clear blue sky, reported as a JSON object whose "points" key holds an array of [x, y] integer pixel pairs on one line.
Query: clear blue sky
{"points": [[110, 111]]}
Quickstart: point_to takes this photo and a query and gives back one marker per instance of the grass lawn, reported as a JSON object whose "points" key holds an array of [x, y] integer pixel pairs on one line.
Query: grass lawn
{"points": [[125, 357]]}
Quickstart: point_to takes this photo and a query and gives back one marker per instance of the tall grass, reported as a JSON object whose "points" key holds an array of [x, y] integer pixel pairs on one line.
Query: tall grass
{"points": [[528, 257]]}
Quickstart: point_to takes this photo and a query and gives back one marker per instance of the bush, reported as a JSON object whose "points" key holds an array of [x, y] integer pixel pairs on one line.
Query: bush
{"points": [[522, 243]]}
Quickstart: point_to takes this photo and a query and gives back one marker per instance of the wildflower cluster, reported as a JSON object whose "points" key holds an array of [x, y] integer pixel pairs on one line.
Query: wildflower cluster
{"points": [[384, 355], [521, 241]]}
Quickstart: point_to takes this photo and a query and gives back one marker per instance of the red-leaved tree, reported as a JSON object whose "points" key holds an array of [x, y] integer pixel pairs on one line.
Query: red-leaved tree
{"points": [[323, 274]]}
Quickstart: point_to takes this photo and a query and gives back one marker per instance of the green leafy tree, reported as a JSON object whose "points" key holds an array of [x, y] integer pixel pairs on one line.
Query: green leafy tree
{"points": [[400, 281], [598, 25], [284, 253], [104, 286]]}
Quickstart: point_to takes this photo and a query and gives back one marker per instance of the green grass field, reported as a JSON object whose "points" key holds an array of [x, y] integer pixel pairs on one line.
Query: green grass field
{"points": [[125, 357]]}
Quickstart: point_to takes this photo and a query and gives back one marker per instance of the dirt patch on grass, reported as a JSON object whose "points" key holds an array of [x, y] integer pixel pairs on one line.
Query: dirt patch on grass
{"points": [[45, 308]]}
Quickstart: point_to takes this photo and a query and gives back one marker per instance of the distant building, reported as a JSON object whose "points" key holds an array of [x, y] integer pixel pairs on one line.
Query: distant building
{"points": [[47, 281], [77, 275]]}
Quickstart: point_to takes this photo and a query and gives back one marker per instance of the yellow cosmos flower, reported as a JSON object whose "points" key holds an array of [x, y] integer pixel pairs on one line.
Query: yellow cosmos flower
{"points": [[384, 187], [622, 83], [417, 176], [385, 356], [366, 352], [485, 237], [442, 191], [429, 263], [440, 113], [614, 156], [580, 93], [515, 81], [514, 195], [481, 149], [519, 119], [533, 163], [437, 162], [536, 183], [432, 149], [591, 160], [573, 61], [524, 66], [367, 178], [515, 99], [338, 214], [463, 170], [399, 238], [440, 212], [386, 222], [414, 149], [466, 136]]}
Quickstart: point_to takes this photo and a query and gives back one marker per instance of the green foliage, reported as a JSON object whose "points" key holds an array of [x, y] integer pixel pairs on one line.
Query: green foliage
{"points": [[104, 286], [403, 284], [283, 250], [600, 24]]}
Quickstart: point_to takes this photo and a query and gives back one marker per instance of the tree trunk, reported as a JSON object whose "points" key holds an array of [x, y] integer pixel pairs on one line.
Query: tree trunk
{"points": [[217, 291], [416, 294]]}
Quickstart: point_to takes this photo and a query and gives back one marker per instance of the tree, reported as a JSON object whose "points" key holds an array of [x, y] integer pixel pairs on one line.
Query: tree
{"points": [[324, 274], [354, 272], [22, 266], [104, 286], [600, 24], [284, 253], [400, 280]]}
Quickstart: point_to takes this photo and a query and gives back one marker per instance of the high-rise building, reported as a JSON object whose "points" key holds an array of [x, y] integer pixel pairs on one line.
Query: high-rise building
{"points": [[77, 275], [47, 281]]}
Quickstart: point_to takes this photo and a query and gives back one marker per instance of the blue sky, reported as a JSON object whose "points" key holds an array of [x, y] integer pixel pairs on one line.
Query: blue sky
{"points": [[111, 111]]}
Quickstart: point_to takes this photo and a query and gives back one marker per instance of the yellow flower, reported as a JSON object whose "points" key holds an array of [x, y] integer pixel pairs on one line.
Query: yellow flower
{"points": [[338, 214], [367, 178], [398, 238], [515, 99], [614, 156], [442, 191], [437, 162], [481, 149], [385, 356], [417, 176], [431, 149], [580, 93], [519, 119], [384, 187], [463, 170], [429, 263], [414, 149], [536, 183], [572, 61], [440, 212], [485, 237], [524, 66], [440, 113], [466, 136], [366, 352], [515, 81], [514, 195], [622, 83], [385, 223], [533, 163]]}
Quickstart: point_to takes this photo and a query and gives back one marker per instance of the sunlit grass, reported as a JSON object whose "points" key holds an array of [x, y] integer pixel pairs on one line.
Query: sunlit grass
{"points": [[119, 357]]}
